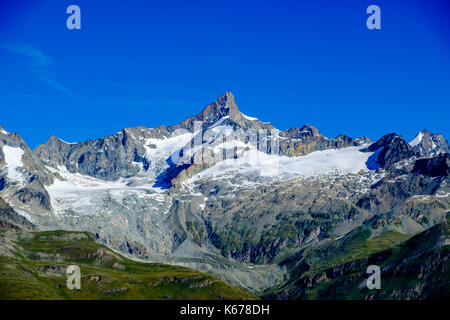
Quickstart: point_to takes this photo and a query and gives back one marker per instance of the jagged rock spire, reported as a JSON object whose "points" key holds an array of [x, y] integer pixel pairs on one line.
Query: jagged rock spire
{"points": [[225, 105], [427, 143]]}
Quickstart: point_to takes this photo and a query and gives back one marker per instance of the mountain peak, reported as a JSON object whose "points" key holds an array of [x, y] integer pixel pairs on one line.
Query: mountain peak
{"points": [[389, 149], [427, 143], [225, 105], [419, 136], [300, 133], [227, 97], [383, 141], [309, 128]]}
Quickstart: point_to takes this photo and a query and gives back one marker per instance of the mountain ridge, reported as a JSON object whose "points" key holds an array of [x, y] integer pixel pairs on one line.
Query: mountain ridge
{"points": [[225, 193]]}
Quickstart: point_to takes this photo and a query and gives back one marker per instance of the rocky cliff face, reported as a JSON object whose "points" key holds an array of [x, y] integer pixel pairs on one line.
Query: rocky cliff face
{"points": [[389, 150], [437, 166], [10, 219], [23, 176], [298, 142], [121, 155]]}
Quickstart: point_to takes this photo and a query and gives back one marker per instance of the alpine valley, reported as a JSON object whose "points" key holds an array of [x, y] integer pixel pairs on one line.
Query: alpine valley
{"points": [[230, 205]]}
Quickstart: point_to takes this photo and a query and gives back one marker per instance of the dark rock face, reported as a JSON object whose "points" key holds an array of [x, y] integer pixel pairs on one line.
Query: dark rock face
{"points": [[390, 193], [112, 157], [108, 158], [12, 220], [382, 142], [2, 158], [3, 183], [390, 149], [434, 167], [34, 192], [396, 151]]}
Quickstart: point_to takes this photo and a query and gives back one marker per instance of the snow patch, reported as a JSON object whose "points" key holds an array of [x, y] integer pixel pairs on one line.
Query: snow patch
{"points": [[163, 148], [25, 215], [66, 141], [249, 118], [85, 195], [421, 197], [442, 195], [344, 161], [13, 159], [416, 140], [77, 192], [215, 124]]}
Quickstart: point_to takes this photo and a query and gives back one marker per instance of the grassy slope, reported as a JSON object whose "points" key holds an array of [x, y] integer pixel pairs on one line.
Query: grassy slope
{"points": [[37, 271], [356, 247], [414, 268]]}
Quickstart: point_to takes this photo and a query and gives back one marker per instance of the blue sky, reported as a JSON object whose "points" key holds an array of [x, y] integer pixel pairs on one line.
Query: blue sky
{"points": [[289, 62]]}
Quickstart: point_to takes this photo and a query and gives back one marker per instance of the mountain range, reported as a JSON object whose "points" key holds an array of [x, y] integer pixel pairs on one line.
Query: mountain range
{"points": [[287, 214]]}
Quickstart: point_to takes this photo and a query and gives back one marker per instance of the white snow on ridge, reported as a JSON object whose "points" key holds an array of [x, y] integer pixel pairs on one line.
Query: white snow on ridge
{"points": [[229, 145], [66, 141], [3, 131], [165, 147], [219, 121], [416, 140], [218, 131], [249, 118], [13, 159], [442, 195], [24, 214], [77, 181], [217, 137], [346, 160]]}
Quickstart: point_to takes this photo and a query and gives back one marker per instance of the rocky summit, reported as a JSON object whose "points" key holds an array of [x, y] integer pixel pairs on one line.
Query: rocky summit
{"points": [[287, 214]]}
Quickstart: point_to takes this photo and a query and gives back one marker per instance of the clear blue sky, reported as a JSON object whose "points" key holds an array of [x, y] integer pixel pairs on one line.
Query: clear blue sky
{"points": [[288, 62]]}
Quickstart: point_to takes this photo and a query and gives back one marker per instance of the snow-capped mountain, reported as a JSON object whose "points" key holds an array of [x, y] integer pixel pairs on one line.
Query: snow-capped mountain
{"points": [[428, 144], [23, 175], [226, 193]]}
